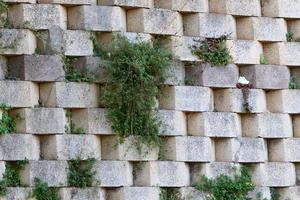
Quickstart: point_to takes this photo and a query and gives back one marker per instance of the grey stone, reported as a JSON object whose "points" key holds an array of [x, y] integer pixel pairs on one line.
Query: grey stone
{"points": [[134, 193], [172, 122], [82, 193], [236, 7], [127, 3]]}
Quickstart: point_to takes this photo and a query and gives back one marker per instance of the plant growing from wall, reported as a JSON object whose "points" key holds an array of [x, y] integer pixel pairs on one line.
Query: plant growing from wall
{"points": [[262, 59], [293, 83], [135, 72], [81, 173], [7, 122], [169, 194], [41, 191], [291, 38], [213, 50], [71, 127]]}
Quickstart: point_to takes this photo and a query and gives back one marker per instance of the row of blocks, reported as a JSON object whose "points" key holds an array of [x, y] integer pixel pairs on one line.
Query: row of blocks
{"points": [[151, 21]]}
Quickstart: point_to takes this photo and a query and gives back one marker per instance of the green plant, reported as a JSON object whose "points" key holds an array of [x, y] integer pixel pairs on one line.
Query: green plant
{"points": [[71, 127], [135, 72], [74, 75], [293, 83], [212, 50], [225, 187], [81, 173], [7, 122], [41, 191], [11, 174], [262, 59], [3, 10], [290, 36], [169, 194]]}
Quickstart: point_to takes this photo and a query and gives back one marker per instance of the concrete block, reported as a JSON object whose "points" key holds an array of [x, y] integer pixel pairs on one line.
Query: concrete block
{"points": [[97, 18], [175, 74], [274, 174], [183, 5], [179, 98], [289, 192], [267, 125], [70, 147], [293, 27], [114, 173], [127, 4], [55, 173], [261, 29], [69, 95], [209, 25], [36, 67], [92, 121], [267, 76], [163, 174], [3, 67], [19, 93], [112, 149], [189, 149], [40, 120], [209, 76], [192, 193], [17, 193], [82, 193], [19, 147], [284, 150], [154, 21], [37, 16], [281, 8], [214, 124], [240, 101], [283, 101], [2, 169], [17, 42], [134, 193], [242, 150], [173, 122], [69, 2], [245, 51], [264, 193], [238, 8]]}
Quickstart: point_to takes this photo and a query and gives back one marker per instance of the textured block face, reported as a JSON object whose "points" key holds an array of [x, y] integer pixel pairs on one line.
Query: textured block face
{"points": [[41, 120], [135, 193], [19, 93], [112, 149], [191, 193], [78, 43], [245, 51], [173, 122], [175, 74], [69, 95], [19, 147], [242, 150], [284, 150], [36, 68], [281, 8], [163, 174], [37, 16], [267, 125], [15, 193], [214, 124], [267, 76], [17, 41], [190, 149], [154, 21], [113, 173], [80, 194], [53, 172], [274, 174], [240, 101], [183, 5], [71, 147], [97, 18], [290, 192], [127, 3], [236, 7], [209, 25], [179, 98], [208, 75], [284, 101], [261, 29], [2, 169]]}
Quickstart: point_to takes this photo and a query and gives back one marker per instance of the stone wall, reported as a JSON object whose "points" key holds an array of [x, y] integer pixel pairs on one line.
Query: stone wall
{"points": [[208, 128]]}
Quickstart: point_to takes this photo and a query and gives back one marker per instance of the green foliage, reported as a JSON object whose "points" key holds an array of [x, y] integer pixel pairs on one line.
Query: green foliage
{"points": [[262, 59], [228, 188], [293, 83], [291, 38], [3, 10], [135, 71], [3, 189], [41, 191], [71, 127], [11, 175], [7, 123], [169, 194], [213, 50], [81, 173], [74, 75]]}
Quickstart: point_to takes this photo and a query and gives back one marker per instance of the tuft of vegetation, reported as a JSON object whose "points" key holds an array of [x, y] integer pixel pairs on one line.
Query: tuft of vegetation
{"points": [[169, 194], [74, 75], [7, 122], [41, 191], [71, 127], [226, 187], [135, 72], [293, 83], [262, 59], [291, 38], [81, 173], [213, 50]]}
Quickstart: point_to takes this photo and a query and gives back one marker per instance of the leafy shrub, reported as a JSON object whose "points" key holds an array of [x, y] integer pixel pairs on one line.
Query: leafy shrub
{"points": [[7, 122], [169, 194], [12, 173], [81, 173], [135, 71], [41, 191], [213, 50]]}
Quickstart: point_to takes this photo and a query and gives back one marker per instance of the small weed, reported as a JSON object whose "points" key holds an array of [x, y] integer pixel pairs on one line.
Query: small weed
{"points": [[293, 83], [262, 59], [213, 50], [41, 191], [7, 122], [37, 51], [291, 38], [169, 194], [81, 173], [71, 127], [3, 10], [11, 175]]}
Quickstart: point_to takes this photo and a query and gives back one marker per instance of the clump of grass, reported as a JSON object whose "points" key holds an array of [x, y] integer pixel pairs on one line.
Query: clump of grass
{"points": [[7, 122], [41, 191], [169, 194]]}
